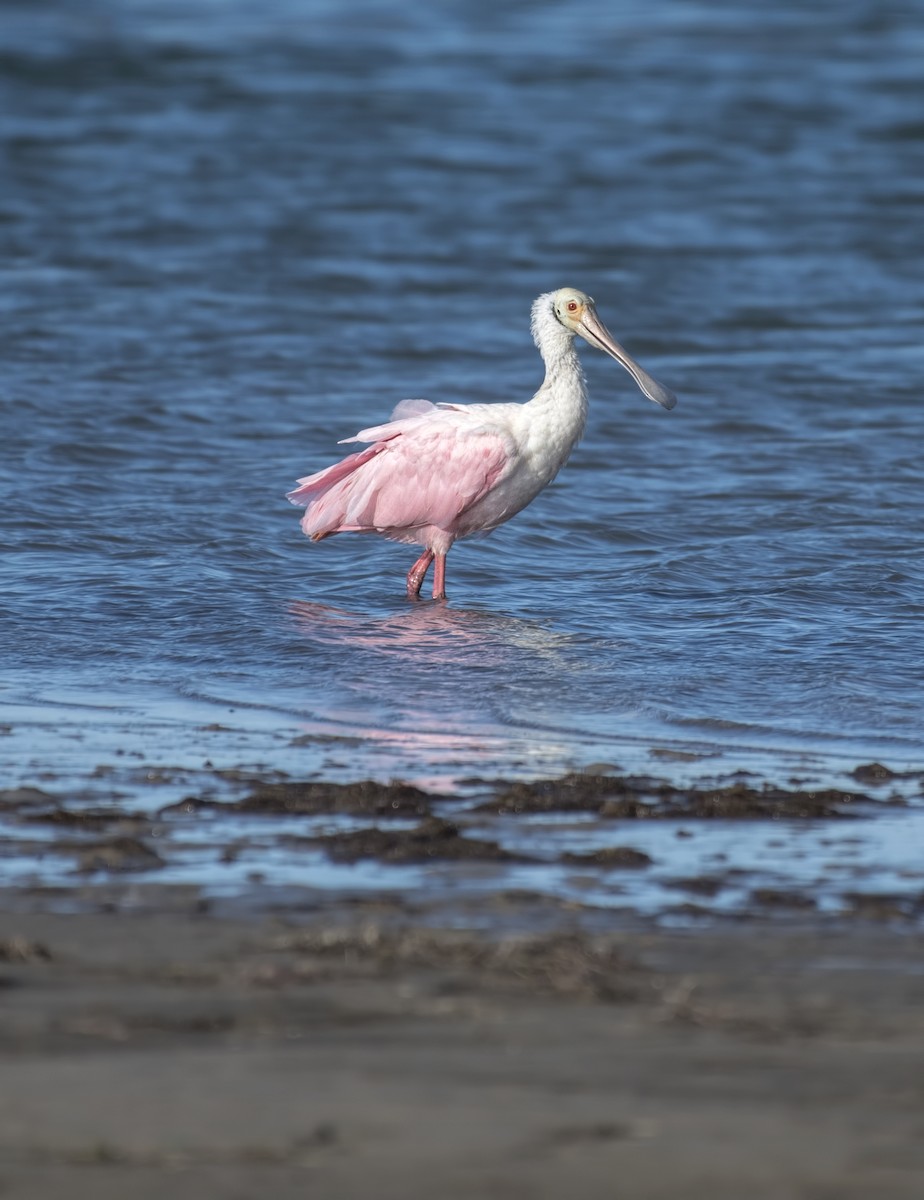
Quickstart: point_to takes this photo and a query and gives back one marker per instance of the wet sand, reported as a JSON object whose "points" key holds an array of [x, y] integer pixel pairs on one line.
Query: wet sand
{"points": [[450, 1040], [152, 1044]]}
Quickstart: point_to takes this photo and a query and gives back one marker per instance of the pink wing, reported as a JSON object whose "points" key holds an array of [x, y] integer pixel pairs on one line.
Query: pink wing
{"points": [[424, 469]]}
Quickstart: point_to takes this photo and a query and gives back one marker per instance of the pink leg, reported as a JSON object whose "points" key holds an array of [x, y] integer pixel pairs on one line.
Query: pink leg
{"points": [[415, 576], [439, 578]]}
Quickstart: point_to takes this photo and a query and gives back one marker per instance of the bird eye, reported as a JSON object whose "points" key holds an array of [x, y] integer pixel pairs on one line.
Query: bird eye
{"points": [[572, 306]]}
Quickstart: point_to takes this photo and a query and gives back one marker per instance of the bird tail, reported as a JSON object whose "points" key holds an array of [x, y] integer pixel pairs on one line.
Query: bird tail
{"points": [[324, 495]]}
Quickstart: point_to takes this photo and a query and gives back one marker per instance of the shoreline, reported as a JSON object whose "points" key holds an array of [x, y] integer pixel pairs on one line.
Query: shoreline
{"points": [[488, 1009], [724, 847]]}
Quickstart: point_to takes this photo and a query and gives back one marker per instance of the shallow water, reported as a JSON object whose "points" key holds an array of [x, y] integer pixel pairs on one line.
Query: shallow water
{"points": [[233, 235]]}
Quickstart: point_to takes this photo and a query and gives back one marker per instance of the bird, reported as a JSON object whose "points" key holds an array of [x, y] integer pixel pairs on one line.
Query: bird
{"points": [[436, 473]]}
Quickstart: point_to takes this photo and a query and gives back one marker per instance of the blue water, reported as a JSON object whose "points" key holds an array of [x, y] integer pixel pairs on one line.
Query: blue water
{"points": [[232, 234]]}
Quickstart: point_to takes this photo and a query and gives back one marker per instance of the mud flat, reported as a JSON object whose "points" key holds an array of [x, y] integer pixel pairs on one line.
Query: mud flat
{"points": [[462, 1034]]}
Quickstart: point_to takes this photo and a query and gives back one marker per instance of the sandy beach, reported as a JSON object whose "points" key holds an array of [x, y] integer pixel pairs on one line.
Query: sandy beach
{"points": [[154, 1044]]}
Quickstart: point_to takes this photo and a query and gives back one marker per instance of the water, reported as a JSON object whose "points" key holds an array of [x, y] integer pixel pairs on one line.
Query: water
{"points": [[234, 233]]}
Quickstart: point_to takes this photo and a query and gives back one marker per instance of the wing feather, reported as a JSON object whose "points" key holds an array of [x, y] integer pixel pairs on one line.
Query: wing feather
{"points": [[423, 469]]}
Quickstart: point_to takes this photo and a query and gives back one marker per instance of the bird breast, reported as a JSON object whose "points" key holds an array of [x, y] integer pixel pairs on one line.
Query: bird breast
{"points": [[541, 438]]}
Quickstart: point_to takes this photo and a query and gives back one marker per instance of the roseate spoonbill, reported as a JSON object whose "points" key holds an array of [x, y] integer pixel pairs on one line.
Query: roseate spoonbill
{"points": [[439, 472]]}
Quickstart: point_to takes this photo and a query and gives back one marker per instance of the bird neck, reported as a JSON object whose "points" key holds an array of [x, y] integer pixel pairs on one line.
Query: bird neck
{"points": [[563, 372], [563, 390]]}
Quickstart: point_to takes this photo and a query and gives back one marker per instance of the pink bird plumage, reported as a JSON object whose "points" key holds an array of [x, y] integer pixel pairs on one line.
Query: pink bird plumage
{"points": [[436, 473]]}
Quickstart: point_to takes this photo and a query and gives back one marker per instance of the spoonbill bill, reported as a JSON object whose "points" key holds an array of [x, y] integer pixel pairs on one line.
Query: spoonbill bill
{"points": [[435, 473]]}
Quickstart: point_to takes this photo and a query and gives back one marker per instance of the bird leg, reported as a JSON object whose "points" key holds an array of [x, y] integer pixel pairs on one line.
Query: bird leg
{"points": [[439, 578], [415, 576]]}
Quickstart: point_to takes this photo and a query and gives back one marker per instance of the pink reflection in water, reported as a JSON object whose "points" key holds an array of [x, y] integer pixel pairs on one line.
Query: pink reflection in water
{"points": [[434, 639], [425, 628]]}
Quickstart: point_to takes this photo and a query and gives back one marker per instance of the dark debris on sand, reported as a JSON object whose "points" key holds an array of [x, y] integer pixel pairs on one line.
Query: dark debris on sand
{"points": [[873, 774], [309, 798], [610, 856], [883, 906], [641, 798], [118, 854], [433, 839]]}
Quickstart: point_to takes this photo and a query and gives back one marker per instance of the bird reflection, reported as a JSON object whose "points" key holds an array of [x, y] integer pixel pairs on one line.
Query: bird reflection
{"points": [[433, 631], [430, 686]]}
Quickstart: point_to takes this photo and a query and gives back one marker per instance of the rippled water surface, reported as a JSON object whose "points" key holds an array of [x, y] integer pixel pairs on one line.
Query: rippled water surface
{"points": [[232, 234]]}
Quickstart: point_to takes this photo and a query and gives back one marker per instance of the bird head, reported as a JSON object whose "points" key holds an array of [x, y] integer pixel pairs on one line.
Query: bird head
{"points": [[576, 311]]}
